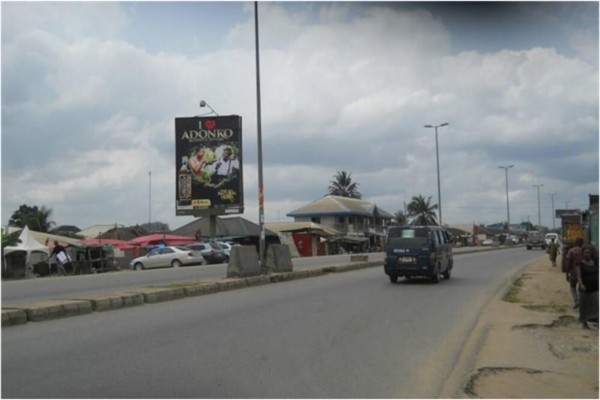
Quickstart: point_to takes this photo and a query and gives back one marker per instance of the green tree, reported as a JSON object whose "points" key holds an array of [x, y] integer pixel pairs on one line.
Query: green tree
{"points": [[422, 211], [9, 240], [400, 218], [342, 185], [37, 219], [19, 218]]}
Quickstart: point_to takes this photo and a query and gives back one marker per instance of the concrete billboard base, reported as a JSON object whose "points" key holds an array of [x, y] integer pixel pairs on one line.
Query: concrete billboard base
{"points": [[279, 259], [243, 262]]}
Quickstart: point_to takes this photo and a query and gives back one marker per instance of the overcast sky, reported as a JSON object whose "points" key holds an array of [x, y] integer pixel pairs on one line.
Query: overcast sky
{"points": [[90, 92]]}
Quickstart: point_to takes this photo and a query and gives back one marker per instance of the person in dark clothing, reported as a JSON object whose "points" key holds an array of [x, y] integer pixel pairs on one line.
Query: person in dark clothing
{"points": [[553, 251], [587, 278], [573, 258], [62, 258]]}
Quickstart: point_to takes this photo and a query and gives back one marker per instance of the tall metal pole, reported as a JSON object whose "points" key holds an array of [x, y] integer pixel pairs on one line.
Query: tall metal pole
{"points": [[539, 211], [507, 202], [437, 156], [150, 200], [261, 197], [553, 216]]}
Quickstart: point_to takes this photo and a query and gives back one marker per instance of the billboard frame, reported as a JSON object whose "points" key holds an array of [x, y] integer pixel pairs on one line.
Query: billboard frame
{"points": [[202, 142]]}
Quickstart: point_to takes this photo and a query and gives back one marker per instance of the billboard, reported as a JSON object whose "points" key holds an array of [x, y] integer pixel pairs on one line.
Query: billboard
{"points": [[208, 166], [560, 212]]}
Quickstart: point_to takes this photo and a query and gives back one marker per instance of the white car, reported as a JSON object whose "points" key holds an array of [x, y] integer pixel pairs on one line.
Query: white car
{"points": [[550, 236], [170, 256], [227, 248], [489, 242]]}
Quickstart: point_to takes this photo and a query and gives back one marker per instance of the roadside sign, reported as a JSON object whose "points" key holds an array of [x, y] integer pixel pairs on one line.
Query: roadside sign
{"points": [[208, 166]]}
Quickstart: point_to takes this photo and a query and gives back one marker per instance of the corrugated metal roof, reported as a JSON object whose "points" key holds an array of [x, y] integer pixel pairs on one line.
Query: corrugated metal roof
{"points": [[337, 205], [303, 226], [94, 231], [233, 226]]}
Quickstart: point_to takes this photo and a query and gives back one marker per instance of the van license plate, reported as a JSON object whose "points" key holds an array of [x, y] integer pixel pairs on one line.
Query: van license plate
{"points": [[406, 259]]}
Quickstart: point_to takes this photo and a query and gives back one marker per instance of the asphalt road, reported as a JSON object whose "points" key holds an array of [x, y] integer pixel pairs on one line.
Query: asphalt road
{"points": [[350, 335], [25, 291]]}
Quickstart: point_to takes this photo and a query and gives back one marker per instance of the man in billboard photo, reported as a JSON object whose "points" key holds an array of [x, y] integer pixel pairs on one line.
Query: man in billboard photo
{"points": [[224, 166]]}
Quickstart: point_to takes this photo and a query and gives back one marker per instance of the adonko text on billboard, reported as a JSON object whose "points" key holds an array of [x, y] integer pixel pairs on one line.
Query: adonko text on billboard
{"points": [[208, 165]]}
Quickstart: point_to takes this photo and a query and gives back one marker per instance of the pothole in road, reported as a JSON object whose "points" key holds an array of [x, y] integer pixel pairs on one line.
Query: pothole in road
{"points": [[515, 382], [562, 321], [549, 308]]}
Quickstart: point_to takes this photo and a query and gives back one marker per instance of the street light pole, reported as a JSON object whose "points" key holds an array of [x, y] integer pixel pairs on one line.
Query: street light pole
{"points": [[261, 196], [507, 204], [553, 216], [437, 157], [539, 212], [150, 200]]}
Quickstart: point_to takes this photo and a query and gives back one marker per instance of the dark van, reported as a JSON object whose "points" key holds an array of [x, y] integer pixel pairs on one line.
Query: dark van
{"points": [[418, 251]]}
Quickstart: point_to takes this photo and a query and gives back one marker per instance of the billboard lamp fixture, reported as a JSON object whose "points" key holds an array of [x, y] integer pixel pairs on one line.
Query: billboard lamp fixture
{"points": [[205, 104]]}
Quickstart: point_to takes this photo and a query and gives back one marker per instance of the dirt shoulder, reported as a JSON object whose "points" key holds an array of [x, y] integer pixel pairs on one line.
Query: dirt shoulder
{"points": [[528, 343]]}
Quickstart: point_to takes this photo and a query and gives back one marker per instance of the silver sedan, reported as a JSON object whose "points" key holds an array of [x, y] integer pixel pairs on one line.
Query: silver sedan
{"points": [[170, 256]]}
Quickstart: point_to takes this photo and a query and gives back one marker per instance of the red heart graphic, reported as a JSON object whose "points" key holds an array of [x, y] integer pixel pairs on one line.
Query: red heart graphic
{"points": [[210, 124]]}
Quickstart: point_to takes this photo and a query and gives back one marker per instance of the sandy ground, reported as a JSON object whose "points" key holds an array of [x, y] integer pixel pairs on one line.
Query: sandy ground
{"points": [[528, 343]]}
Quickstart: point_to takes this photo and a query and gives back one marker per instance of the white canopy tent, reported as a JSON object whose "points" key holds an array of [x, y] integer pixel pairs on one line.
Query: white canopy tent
{"points": [[30, 246]]}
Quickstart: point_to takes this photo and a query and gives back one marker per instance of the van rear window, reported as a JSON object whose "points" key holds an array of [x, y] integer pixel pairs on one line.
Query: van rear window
{"points": [[408, 237]]}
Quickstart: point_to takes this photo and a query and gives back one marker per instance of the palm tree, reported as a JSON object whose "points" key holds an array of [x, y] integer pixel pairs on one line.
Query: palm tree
{"points": [[39, 220], [422, 211], [400, 218], [342, 185]]}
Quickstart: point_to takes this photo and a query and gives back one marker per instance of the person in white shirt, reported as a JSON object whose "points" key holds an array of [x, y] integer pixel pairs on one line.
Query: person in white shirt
{"points": [[225, 166]]}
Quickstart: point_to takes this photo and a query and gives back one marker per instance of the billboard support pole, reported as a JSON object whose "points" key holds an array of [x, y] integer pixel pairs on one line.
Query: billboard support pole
{"points": [[213, 228]]}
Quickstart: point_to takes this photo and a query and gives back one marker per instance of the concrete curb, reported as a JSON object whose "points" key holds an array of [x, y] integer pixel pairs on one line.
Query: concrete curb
{"points": [[13, 317], [113, 301], [157, 295], [54, 309]]}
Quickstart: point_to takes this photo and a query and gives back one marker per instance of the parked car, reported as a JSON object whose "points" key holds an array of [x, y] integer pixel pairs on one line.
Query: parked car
{"points": [[227, 248], [418, 251], [490, 242], [535, 239], [550, 236], [212, 252], [170, 256]]}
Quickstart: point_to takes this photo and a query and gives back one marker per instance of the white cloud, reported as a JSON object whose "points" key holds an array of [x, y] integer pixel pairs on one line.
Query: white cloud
{"points": [[350, 90]]}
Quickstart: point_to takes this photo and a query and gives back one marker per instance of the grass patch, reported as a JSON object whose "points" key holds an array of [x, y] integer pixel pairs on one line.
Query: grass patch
{"points": [[552, 308], [513, 294]]}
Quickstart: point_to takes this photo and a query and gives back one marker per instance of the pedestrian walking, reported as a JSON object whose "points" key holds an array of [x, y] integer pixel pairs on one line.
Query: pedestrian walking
{"points": [[573, 258], [62, 258], [553, 251], [587, 278]]}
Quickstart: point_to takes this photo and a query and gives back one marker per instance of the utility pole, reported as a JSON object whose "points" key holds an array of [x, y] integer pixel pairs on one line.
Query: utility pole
{"points": [[261, 194], [539, 211], [437, 157], [507, 204], [553, 216], [150, 200]]}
